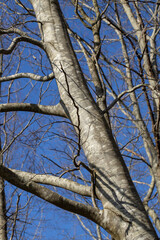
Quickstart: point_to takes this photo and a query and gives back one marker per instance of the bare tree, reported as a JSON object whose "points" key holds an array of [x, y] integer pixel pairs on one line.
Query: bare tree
{"points": [[106, 118], [3, 224]]}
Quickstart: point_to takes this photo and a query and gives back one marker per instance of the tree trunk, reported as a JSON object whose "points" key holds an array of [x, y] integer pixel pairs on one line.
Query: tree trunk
{"points": [[150, 70], [124, 216], [3, 225], [3, 222]]}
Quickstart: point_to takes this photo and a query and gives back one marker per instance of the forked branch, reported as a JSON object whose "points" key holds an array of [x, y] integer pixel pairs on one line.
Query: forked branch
{"points": [[50, 196], [47, 179]]}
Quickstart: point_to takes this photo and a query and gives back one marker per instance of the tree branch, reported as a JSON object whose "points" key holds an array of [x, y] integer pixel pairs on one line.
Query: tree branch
{"points": [[18, 2], [50, 196], [153, 215], [13, 30], [55, 181], [123, 93], [56, 110], [28, 75], [20, 39]]}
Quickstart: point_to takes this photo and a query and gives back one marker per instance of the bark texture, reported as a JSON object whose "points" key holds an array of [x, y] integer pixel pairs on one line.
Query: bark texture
{"points": [[3, 221], [123, 214]]}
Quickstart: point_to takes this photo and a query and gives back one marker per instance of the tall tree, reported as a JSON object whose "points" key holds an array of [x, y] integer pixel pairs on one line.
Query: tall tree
{"points": [[3, 224], [130, 76]]}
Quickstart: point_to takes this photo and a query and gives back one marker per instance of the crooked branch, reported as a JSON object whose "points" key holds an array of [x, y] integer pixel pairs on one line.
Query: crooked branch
{"points": [[122, 94], [20, 39]]}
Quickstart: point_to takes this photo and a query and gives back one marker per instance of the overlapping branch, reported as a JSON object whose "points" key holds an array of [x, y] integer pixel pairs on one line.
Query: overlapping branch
{"points": [[44, 193], [123, 93], [55, 181]]}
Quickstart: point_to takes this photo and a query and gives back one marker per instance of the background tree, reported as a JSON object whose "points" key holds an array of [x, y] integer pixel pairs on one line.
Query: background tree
{"points": [[101, 119]]}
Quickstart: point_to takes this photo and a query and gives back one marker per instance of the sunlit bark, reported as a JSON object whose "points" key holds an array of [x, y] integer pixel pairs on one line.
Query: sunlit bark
{"points": [[3, 221], [113, 181]]}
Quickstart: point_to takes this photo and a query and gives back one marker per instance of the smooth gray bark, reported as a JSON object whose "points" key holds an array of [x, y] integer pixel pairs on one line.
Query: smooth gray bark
{"points": [[56, 110], [3, 221], [123, 214]]}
